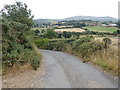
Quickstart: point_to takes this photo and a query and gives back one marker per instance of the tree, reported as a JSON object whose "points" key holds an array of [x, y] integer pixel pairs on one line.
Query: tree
{"points": [[116, 32], [36, 32], [17, 39], [59, 35], [18, 12], [50, 34], [66, 34], [107, 42]]}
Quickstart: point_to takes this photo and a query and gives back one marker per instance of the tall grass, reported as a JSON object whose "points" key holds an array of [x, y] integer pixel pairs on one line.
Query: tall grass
{"points": [[106, 59]]}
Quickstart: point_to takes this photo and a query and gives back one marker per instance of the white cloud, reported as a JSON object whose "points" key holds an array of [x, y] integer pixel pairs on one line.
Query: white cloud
{"points": [[68, 8]]}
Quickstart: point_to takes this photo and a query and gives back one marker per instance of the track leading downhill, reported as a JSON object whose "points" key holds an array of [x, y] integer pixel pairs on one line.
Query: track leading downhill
{"points": [[65, 71]]}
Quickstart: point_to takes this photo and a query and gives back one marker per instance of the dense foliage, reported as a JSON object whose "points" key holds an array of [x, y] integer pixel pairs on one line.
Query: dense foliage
{"points": [[83, 45], [18, 12], [86, 48], [17, 38], [50, 34]]}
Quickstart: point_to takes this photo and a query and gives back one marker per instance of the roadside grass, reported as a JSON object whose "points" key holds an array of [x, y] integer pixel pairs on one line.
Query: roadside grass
{"points": [[107, 60], [101, 29]]}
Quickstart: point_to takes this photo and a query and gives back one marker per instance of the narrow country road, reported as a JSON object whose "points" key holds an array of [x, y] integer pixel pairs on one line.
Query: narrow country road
{"points": [[60, 70], [65, 71]]}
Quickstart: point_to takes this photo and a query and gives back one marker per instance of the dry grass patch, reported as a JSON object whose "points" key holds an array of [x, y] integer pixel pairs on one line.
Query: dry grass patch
{"points": [[64, 26], [70, 30], [107, 60]]}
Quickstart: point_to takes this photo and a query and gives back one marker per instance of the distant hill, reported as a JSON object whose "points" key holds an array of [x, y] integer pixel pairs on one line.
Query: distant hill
{"points": [[92, 18], [102, 19], [42, 21]]}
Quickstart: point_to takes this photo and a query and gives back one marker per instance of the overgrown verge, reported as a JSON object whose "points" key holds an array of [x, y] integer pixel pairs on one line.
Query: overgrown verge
{"points": [[86, 48], [18, 48]]}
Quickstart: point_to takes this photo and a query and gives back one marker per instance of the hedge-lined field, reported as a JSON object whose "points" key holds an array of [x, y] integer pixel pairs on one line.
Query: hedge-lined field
{"points": [[101, 29]]}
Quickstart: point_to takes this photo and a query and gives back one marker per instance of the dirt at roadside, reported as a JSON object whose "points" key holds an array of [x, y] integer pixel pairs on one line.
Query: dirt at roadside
{"points": [[26, 79]]}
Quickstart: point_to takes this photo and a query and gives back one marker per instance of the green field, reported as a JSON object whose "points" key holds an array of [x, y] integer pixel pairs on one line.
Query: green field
{"points": [[102, 29]]}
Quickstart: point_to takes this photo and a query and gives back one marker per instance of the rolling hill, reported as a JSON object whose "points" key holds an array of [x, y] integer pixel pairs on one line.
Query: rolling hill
{"points": [[101, 19], [42, 21]]}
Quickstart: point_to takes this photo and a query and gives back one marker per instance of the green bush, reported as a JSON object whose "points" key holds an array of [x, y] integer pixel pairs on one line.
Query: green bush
{"points": [[66, 34], [42, 43], [78, 42], [17, 47], [56, 45], [17, 38], [88, 48], [35, 63], [50, 34]]}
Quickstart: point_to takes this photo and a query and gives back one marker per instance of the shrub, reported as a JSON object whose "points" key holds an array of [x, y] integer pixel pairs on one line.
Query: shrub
{"points": [[88, 48], [36, 32], [50, 34], [56, 45], [42, 43], [66, 34], [107, 42], [78, 42], [35, 62], [17, 39]]}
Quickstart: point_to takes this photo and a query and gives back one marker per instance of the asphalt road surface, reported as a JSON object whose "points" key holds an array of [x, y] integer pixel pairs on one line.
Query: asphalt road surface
{"points": [[63, 70]]}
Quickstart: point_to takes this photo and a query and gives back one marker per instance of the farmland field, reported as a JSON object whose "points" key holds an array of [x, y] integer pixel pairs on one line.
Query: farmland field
{"points": [[70, 30], [101, 29], [39, 28]]}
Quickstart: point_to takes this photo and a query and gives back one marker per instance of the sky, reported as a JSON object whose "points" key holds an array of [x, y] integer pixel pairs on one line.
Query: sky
{"points": [[59, 9]]}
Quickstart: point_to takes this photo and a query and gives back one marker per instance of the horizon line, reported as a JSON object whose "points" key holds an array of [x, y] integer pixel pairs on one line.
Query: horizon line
{"points": [[78, 16]]}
